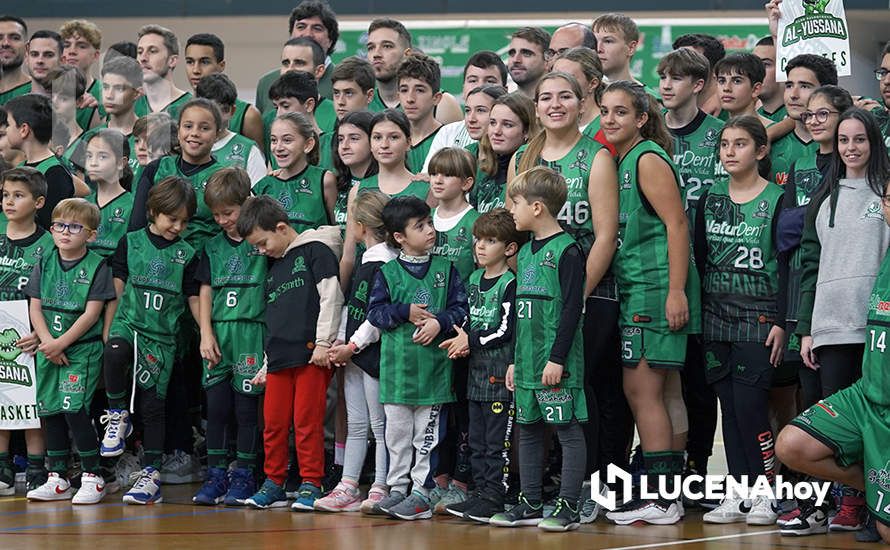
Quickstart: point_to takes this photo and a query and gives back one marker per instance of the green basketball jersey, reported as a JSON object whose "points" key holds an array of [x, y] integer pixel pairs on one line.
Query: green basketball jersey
{"points": [[325, 115], [142, 107], [776, 116], [114, 217], [342, 203], [235, 152], [17, 261], [488, 192], [695, 155], [325, 160], [538, 309], [785, 151], [411, 374], [95, 90], [64, 292], [807, 178], [236, 123], [74, 156], [377, 105], [84, 116], [592, 128], [21, 89], [201, 226], [875, 366], [741, 273], [416, 188], [302, 196], [456, 244], [883, 116], [488, 362], [417, 155], [153, 302], [237, 276], [641, 261]]}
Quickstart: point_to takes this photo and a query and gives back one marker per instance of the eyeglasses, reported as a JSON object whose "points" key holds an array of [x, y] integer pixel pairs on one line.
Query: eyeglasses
{"points": [[820, 116], [73, 228], [881, 73]]}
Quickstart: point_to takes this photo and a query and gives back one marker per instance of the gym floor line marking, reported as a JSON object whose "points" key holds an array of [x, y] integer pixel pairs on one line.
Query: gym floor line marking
{"points": [[214, 532], [693, 541], [41, 508], [116, 520]]}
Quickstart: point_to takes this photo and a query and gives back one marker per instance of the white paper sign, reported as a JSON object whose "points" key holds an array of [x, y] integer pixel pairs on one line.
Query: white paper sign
{"points": [[813, 26], [18, 389]]}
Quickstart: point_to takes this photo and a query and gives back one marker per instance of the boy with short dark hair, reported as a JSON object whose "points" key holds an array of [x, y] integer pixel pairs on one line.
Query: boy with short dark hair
{"points": [[352, 82], [302, 276], [739, 80], [68, 290], [419, 81], [414, 301]]}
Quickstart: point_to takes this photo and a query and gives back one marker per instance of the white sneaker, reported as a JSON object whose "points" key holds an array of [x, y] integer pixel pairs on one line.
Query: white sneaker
{"points": [[118, 427], [179, 468], [147, 489], [731, 510], [126, 465], [763, 512], [55, 488], [92, 489]]}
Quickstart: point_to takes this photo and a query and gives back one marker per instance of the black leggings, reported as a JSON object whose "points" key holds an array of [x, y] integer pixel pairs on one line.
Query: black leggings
{"points": [[701, 406], [531, 459], [454, 450], [747, 435], [58, 445], [222, 400]]}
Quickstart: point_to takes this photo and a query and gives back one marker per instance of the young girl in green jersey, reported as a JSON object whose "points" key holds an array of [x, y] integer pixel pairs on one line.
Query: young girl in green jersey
{"points": [[308, 193], [651, 266], [106, 165], [743, 309]]}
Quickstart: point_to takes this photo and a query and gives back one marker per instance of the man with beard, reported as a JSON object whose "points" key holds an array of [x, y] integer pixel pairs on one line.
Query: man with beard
{"points": [[44, 54], [157, 51], [13, 81], [388, 44], [525, 58]]}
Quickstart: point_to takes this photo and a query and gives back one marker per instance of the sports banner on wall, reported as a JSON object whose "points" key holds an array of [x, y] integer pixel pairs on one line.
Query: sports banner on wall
{"points": [[18, 390], [813, 26]]}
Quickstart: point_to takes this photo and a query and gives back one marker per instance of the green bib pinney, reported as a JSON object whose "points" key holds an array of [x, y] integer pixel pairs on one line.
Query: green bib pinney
{"points": [[21, 89], [640, 264], [64, 293], [741, 274], [237, 276], [302, 196], [538, 309], [785, 151], [411, 374], [488, 365], [114, 217], [201, 226], [142, 107], [342, 204], [17, 260], [776, 116], [807, 179], [236, 123], [416, 188], [325, 115], [875, 368], [696, 159], [488, 192], [456, 244], [377, 105], [235, 152], [153, 302], [417, 154]]}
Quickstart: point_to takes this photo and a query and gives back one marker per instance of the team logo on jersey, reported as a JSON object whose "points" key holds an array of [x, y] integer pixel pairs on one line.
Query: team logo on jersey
{"points": [[529, 274], [711, 361], [38, 251], [82, 278], [439, 280], [235, 265], [473, 294], [157, 268], [581, 163], [117, 216], [553, 396], [237, 153], [461, 236], [179, 256], [710, 139], [873, 211], [625, 180], [422, 296], [304, 185], [285, 199], [299, 265], [62, 290], [880, 477], [548, 260], [762, 210]]}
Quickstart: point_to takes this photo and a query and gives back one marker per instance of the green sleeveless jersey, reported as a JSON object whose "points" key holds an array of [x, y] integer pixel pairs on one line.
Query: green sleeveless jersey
{"points": [[153, 301], [416, 188], [95, 90], [325, 115], [538, 308], [776, 116], [64, 292], [641, 261], [142, 107], [201, 226], [17, 261], [74, 156], [411, 374], [786, 150], [417, 154], [84, 116], [807, 178], [114, 217], [456, 244], [695, 155], [741, 275], [237, 276], [488, 192], [342, 203], [325, 160], [377, 105], [592, 128], [875, 366], [236, 123], [21, 89], [235, 152], [488, 362], [302, 196]]}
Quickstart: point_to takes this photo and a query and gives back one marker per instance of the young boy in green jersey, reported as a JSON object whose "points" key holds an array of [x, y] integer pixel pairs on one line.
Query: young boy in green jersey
{"points": [[231, 148], [488, 339], [739, 81], [121, 87], [231, 305], [22, 244], [154, 273], [420, 81], [414, 301], [353, 84], [296, 92], [205, 55]]}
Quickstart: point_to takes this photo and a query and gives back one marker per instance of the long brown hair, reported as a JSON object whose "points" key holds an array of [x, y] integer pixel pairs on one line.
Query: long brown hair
{"points": [[524, 109], [532, 154], [642, 102]]}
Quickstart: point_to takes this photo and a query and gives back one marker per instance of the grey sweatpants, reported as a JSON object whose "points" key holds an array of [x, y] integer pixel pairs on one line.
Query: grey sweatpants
{"points": [[412, 432]]}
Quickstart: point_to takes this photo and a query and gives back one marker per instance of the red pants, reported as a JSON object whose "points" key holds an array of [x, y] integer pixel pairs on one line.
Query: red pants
{"points": [[295, 394]]}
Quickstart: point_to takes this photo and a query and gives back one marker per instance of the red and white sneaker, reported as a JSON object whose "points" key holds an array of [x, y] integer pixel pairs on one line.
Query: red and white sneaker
{"points": [[55, 488], [852, 515], [92, 490]]}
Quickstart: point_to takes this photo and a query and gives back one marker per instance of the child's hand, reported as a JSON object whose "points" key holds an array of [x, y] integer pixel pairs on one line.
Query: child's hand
{"points": [[459, 346], [776, 341], [259, 379], [52, 349], [210, 350], [320, 356], [676, 309], [340, 354], [552, 374], [29, 343], [418, 314], [427, 332], [508, 379]]}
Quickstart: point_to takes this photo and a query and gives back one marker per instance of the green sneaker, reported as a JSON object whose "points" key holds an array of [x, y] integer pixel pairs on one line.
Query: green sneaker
{"points": [[563, 518], [523, 514]]}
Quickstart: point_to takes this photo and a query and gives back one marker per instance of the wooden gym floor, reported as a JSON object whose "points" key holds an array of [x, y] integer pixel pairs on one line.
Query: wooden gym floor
{"points": [[178, 524]]}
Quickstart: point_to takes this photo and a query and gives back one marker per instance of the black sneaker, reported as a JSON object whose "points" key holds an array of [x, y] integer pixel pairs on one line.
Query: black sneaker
{"points": [[35, 477], [869, 533], [523, 514], [484, 509], [563, 518], [811, 520], [459, 509]]}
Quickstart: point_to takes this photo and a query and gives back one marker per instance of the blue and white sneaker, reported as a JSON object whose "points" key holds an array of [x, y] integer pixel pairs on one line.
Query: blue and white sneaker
{"points": [[241, 486], [214, 489], [147, 489], [118, 428], [270, 495], [307, 494]]}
